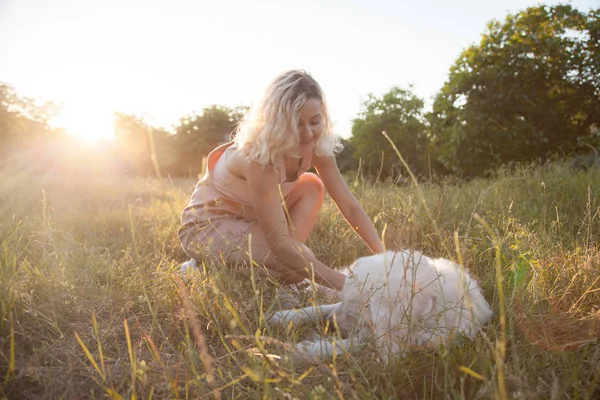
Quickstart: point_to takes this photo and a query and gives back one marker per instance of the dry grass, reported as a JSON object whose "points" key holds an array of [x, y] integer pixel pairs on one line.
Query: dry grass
{"points": [[90, 307]]}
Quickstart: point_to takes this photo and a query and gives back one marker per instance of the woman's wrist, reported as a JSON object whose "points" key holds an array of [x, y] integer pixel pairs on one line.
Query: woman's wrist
{"points": [[338, 281], [378, 248]]}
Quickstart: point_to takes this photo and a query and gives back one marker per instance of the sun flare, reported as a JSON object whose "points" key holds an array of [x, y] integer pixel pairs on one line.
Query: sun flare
{"points": [[86, 124]]}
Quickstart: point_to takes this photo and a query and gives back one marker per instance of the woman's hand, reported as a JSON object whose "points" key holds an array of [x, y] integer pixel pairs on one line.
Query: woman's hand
{"points": [[248, 213]]}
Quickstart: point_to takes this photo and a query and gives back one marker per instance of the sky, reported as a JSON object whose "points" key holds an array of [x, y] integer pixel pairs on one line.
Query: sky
{"points": [[166, 59]]}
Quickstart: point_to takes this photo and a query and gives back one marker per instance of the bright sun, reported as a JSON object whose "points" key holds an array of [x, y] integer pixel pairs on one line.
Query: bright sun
{"points": [[87, 124]]}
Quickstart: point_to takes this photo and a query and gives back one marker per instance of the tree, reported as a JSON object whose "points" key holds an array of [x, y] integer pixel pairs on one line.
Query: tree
{"points": [[23, 119], [400, 113], [197, 134], [345, 158], [146, 150], [530, 88]]}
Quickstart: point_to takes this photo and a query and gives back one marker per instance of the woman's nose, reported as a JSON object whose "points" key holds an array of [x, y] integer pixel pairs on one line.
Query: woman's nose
{"points": [[305, 133]]}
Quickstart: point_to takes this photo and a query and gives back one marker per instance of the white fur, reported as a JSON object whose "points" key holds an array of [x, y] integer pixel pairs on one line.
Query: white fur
{"points": [[404, 300]]}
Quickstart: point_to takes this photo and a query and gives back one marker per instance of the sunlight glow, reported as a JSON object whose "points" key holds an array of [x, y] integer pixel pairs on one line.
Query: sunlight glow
{"points": [[174, 58], [86, 124]]}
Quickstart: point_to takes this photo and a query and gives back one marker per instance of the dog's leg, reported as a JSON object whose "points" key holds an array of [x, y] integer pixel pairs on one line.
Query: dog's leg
{"points": [[325, 348], [304, 315]]}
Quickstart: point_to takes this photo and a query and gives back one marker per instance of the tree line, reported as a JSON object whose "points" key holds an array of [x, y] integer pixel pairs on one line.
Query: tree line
{"points": [[528, 91]]}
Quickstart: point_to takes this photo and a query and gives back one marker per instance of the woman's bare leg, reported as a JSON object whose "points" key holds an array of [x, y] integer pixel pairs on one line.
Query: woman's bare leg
{"points": [[304, 203]]}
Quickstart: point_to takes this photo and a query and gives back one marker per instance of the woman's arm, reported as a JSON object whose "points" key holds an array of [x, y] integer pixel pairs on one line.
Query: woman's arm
{"points": [[291, 255], [349, 207]]}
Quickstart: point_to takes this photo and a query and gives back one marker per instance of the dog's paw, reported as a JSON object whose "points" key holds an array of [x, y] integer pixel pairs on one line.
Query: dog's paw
{"points": [[317, 350], [276, 319], [307, 347], [281, 317], [304, 346]]}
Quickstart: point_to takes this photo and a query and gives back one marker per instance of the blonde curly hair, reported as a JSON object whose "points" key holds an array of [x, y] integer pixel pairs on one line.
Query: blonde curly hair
{"points": [[269, 131]]}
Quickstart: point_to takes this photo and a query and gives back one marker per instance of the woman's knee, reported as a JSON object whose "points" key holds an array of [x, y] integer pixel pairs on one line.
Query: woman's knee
{"points": [[311, 184]]}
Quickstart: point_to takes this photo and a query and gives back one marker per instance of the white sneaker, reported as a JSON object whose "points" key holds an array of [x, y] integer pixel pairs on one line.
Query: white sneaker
{"points": [[188, 267], [330, 294]]}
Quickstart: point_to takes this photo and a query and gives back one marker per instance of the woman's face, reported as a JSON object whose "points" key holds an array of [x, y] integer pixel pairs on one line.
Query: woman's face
{"points": [[310, 122]]}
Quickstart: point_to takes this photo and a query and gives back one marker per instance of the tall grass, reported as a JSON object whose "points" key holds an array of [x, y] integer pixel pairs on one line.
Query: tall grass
{"points": [[90, 306]]}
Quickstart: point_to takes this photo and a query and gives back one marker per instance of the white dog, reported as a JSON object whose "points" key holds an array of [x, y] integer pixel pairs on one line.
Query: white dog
{"points": [[404, 300]]}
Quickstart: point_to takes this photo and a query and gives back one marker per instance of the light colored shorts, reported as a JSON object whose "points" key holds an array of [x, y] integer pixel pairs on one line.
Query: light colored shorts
{"points": [[221, 239]]}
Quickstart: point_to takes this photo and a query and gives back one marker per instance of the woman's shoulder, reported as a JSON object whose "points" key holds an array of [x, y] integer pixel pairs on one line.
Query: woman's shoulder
{"points": [[323, 161], [236, 162], [239, 165]]}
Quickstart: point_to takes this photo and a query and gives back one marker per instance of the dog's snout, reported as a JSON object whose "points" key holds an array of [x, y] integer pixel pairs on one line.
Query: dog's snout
{"points": [[338, 321], [329, 322]]}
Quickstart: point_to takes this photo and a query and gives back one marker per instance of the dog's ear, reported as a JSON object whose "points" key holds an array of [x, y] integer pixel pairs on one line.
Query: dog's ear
{"points": [[380, 325], [480, 309], [394, 321], [424, 301], [387, 325]]}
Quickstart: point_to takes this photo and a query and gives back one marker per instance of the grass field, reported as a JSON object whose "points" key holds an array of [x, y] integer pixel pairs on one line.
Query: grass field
{"points": [[90, 307]]}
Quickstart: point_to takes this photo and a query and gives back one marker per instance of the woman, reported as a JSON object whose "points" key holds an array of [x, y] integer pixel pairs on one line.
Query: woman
{"points": [[256, 198]]}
